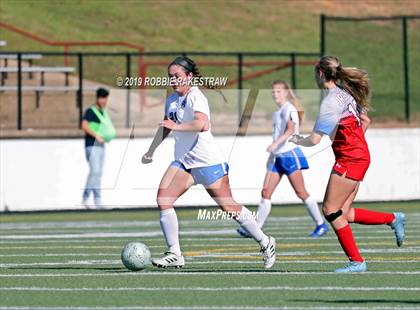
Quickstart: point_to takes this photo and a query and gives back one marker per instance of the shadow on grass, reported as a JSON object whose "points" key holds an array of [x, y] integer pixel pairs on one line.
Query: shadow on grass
{"points": [[151, 269]]}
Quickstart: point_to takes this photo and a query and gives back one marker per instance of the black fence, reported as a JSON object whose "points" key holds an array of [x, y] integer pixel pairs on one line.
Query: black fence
{"points": [[243, 71], [388, 47], [32, 84]]}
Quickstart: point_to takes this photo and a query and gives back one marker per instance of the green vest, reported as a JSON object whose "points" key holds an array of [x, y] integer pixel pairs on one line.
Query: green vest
{"points": [[104, 128]]}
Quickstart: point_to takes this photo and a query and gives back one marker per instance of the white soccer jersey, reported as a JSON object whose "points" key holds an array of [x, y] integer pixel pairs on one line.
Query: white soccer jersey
{"points": [[193, 149], [281, 117]]}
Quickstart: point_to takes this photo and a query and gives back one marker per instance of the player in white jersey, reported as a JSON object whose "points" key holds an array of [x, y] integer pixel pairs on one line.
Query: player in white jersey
{"points": [[286, 159], [197, 161]]}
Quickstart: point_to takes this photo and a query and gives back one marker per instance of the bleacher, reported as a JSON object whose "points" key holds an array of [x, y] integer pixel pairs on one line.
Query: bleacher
{"points": [[44, 85]]}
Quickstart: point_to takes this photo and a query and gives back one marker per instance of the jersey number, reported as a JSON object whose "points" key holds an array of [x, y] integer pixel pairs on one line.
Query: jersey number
{"points": [[173, 117], [353, 111]]}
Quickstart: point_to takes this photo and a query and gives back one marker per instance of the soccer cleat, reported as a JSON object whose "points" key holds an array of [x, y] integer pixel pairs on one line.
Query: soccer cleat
{"points": [[397, 226], [269, 253], [353, 267], [243, 233], [170, 260], [85, 203], [319, 231]]}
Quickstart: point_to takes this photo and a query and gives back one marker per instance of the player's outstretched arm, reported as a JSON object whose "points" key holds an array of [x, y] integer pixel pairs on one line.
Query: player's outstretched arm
{"points": [[313, 139], [160, 135]]}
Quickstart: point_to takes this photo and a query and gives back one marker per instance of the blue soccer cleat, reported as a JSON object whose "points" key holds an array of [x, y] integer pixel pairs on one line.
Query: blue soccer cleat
{"points": [[397, 226], [319, 231], [353, 267]]}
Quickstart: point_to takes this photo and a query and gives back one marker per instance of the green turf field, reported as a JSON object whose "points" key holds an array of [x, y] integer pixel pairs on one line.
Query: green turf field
{"points": [[72, 260]]}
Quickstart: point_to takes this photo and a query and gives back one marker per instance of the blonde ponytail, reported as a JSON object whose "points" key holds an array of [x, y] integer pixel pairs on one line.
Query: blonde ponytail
{"points": [[356, 82], [353, 80]]}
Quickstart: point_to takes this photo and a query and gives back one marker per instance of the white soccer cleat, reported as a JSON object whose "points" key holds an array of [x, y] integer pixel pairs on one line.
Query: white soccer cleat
{"points": [[269, 253], [170, 260]]}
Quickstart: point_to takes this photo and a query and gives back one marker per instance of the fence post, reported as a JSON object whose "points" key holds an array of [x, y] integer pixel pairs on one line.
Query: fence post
{"points": [[322, 34], [293, 71], [240, 86], [19, 92], [406, 76], [128, 75], [80, 91]]}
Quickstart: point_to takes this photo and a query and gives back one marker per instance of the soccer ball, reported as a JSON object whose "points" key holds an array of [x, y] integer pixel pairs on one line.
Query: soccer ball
{"points": [[135, 256]]}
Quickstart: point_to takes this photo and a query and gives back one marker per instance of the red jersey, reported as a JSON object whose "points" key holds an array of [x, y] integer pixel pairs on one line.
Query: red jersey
{"points": [[340, 119]]}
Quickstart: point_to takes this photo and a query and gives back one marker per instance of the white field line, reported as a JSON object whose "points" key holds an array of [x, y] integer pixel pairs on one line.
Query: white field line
{"points": [[204, 273], [271, 222], [104, 223], [203, 307], [298, 261], [107, 235], [204, 255], [305, 253], [123, 224], [69, 247], [206, 245], [285, 233], [58, 238], [304, 262], [414, 227], [190, 260], [198, 255], [158, 233], [210, 289], [68, 263], [307, 226], [65, 226], [59, 254], [199, 262]]}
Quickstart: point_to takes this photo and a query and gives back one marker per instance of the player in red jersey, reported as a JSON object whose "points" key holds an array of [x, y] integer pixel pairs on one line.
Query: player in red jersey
{"points": [[343, 117]]}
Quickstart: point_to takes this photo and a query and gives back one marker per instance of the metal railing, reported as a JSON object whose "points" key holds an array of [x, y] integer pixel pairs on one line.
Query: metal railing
{"points": [[327, 46], [289, 60]]}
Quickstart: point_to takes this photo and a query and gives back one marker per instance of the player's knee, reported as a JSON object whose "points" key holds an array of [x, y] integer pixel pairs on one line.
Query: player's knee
{"points": [[229, 205], [326, 210], [227, 208], [266, 194], [302, 194], [331, 216], [96, 172], [158, 200], [163, 201]]}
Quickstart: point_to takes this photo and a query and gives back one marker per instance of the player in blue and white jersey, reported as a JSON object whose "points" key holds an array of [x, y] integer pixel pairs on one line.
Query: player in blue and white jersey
{"points": [[286, 159], [198, 160]]}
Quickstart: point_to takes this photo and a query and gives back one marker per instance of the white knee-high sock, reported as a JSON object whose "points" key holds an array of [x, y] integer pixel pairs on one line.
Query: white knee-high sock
{"points": [[313, 210], [169, 225], [247, 221], [264, 209]]}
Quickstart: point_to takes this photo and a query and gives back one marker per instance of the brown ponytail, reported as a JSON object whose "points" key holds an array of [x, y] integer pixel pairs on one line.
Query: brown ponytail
{"points": [[291, 97], [355, 81]]}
